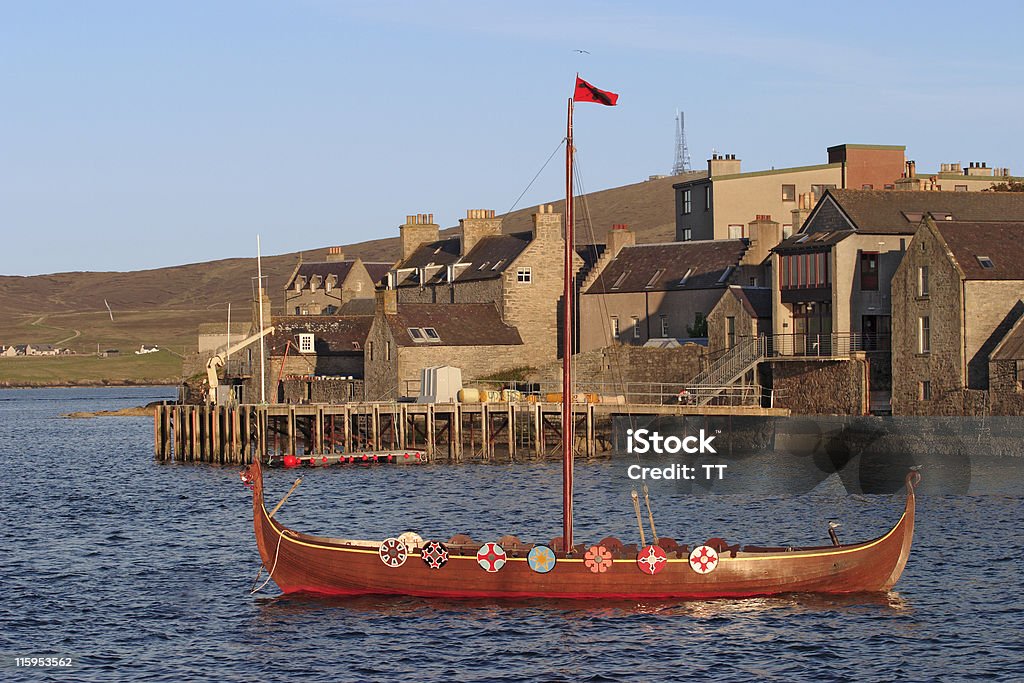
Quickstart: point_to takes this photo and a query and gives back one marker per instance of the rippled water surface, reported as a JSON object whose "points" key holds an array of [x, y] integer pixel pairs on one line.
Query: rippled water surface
{"points": [[141, 571]]}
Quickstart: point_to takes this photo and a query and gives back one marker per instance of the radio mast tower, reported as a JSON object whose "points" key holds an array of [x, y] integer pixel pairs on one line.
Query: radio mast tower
{"points": [[682, 164]]}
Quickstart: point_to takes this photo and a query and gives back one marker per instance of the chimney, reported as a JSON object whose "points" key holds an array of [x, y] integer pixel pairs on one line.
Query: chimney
{"points": [[723, 164], [418, 229], [335, 254], [619, 236], [764, 234], [387, 302], [477, 224], [547, 225], [912, 169]]}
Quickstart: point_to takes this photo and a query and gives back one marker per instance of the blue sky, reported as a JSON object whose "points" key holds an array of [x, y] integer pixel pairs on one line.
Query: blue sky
{"points": [[145, 134]]}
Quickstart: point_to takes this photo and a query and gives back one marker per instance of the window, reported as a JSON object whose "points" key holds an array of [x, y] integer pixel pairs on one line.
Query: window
{"points": [[497, 264], [730, 332], [889, 186], [707, 197], [867, 186], [431, 334], [358, 286], [619, 280], [387, 350], [615, 328], [687, 234], [369, 348], [924, 334], [924, 392], [753, 282], [787, 230], [654, 278], [636, 327], [985, 262], [960, 188], [686, 277], [524, 275], [687, 203], [819, 190], [329, 285], [922, 281], [789, 193], [663, 319], [416, 334], [914, 216], [306, 343], [869, 271], [298, 310], [735, 231], [726, 274]]}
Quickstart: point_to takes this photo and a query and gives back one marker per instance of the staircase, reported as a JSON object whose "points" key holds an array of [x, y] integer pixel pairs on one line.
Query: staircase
{"points": [[727, 369]]}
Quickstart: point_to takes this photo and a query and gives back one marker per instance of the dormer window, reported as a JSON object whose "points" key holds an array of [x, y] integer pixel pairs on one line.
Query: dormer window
{"points": [[299, 282], [416, 334], [431, 334], [330, 282], [314, 282], [422, 335], [306, 344], [985, 262]]}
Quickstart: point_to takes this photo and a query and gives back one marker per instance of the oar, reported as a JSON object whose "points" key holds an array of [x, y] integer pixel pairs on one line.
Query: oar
{"points": [[278, 506]]}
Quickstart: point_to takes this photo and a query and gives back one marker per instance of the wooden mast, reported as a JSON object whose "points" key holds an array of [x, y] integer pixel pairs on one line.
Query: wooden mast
{"points": [[567, 328]]}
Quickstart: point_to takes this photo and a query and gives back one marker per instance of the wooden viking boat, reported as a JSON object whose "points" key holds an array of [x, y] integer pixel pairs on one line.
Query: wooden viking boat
{"points": [[408, 565], [509, 568]]}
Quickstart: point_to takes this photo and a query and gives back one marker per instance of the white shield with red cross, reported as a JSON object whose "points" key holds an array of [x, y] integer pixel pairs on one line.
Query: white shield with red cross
{"points": [[703, 559], [491, 557]]}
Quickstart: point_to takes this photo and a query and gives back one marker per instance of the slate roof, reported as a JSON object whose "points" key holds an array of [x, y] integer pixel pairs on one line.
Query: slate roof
{"points": [[377, 270], [885, 211], [1001, 242], [488, 259], [1012, 345], [332, 335], [757, 301], [358, 307], [661, 267], [340, 269], [455, 324]]}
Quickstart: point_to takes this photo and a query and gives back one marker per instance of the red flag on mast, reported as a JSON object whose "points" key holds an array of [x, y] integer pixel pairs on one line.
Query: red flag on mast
{"points": [[588, 93]]}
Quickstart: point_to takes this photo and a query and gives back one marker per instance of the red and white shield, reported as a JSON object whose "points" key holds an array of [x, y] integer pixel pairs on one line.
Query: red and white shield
{"points": [[703, 559], [393, 552], [651, 559], [491, 557]]}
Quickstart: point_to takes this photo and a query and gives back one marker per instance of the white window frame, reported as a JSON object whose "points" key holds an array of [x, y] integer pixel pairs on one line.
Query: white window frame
{"points": [[687, 202], [524, 275], [306, 343], [636, 327], [615, 327]]}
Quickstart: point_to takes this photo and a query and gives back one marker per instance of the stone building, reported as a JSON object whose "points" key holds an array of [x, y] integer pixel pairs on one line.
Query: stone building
{"points": [[316, 358], [722, 205], [1006, 373], [957, 299], [406, 337], [741, 312], [520, 274], [325, 287], [657, 291]]}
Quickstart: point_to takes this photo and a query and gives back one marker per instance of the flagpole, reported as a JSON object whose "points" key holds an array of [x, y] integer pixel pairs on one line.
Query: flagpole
{"points": [[567, 329]]}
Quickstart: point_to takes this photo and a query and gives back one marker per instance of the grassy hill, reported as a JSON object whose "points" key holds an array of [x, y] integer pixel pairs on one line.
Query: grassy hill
{"points": [[165, 306]]}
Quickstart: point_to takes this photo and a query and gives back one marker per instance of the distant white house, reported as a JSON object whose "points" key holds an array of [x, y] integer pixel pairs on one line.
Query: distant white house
{"points": [[8, 351], [41, 350], [147, 349]]}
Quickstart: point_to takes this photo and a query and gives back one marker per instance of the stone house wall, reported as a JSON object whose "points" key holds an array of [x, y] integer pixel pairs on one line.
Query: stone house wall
{"points": [[1005, 392], [943, 366], [729, 306], [831, 387]]}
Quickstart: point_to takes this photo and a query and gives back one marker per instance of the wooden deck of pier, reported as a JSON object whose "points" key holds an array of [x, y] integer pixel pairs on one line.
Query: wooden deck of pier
{"points": [[445, 431]]}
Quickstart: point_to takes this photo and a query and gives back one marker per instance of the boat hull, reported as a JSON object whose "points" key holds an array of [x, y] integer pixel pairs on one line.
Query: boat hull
{"points": [[301, 563]]}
